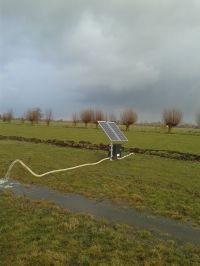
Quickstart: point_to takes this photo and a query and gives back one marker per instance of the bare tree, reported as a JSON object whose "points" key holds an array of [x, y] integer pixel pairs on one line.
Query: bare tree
{"points": [[198, 119], [86, 116], [172, 117], [128, 117], [98, 115], [38, 115], [34, 115], [4, 117], [75, 118], [7, 116], [48, 116], [29, 116]]}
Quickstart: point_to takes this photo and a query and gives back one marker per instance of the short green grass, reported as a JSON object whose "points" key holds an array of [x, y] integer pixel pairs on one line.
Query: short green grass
{"points": [[163, 186], [39, 233], [183, 140]]}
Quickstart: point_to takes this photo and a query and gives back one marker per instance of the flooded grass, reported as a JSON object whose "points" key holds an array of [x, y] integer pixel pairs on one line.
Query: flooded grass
{"points": [[40, 233], [164, 227]]}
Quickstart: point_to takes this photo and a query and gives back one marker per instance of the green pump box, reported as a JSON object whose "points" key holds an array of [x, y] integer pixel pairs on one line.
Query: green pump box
{"points": [[115, 150]]}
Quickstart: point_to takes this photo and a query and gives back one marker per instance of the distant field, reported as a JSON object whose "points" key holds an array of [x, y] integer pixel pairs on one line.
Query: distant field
{"points": [[181, 139]]}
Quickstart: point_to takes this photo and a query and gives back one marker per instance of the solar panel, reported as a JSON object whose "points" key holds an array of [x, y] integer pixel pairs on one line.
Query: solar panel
{"points": [[118, 131], [112, 131]]}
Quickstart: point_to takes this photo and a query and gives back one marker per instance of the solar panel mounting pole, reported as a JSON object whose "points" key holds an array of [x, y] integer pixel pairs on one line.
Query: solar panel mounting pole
{"points": [[111, 150]]}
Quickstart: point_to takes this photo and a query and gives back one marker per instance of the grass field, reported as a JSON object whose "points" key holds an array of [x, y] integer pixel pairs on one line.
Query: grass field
{"points": [[184, 140], [159, 185], [39, 233], [165, 186]]}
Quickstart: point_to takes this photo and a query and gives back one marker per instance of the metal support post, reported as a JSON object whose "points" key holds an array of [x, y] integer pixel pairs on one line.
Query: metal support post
{"points": [[111, 151]]}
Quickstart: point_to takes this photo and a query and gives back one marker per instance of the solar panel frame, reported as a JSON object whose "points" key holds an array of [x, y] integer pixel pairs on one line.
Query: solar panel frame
{"points": [[112, 131]]}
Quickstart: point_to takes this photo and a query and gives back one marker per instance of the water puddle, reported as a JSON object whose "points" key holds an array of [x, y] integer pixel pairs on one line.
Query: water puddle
{"points": [[171, 229]]}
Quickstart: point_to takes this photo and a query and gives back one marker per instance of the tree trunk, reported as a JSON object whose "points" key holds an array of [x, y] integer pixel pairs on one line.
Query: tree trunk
{"points": [[169, 129]]}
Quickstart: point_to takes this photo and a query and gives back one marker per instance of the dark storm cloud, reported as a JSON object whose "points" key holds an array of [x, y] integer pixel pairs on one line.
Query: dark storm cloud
{"points": [[112, 54]]}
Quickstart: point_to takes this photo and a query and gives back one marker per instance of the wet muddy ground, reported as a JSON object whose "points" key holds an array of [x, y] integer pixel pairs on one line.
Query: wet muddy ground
{"points": [[181, 232]]}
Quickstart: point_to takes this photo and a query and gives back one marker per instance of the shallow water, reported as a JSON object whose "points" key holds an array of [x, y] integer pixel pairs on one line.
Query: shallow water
{"points": [[165, 227]]}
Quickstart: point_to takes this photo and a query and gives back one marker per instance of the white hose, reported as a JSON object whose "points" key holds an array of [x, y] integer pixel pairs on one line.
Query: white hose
{"points": [[54, 171], [121, 158]]}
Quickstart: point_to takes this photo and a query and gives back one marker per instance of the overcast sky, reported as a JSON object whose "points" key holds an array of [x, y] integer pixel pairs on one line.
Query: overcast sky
{"points": [[111, 54]]}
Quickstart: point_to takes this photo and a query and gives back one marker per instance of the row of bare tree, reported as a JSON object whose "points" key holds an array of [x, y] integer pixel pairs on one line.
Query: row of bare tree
{"points": [[171, 117], [128, 117], [33, 115], [7, 116]]}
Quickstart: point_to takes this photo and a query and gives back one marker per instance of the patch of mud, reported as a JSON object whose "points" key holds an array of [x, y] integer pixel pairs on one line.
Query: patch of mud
{"points": [[162, 226]]}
